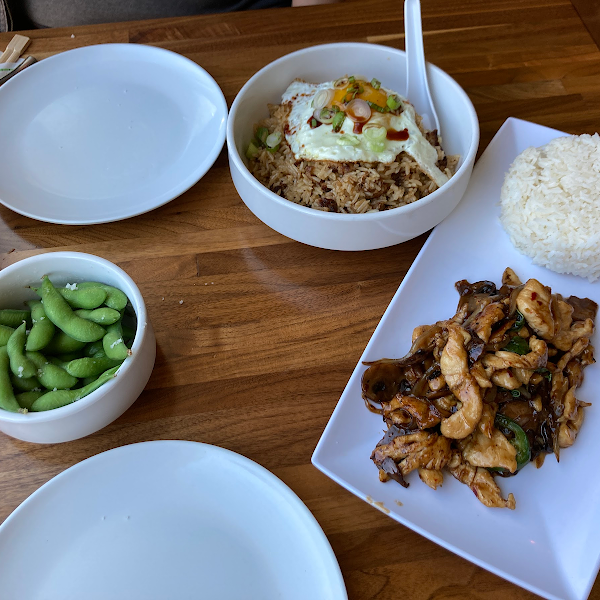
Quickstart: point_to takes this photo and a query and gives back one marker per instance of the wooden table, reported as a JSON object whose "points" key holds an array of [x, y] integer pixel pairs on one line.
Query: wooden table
{"points": [[257, 355]]}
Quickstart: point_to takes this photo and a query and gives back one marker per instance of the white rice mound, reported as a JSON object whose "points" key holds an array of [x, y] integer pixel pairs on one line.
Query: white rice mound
{"points": [[550, 205]]}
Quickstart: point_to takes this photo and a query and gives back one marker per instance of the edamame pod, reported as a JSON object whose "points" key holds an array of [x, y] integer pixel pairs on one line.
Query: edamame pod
{"points": [[102, 315], [42, 330], [60, 313], [61, 343], [26, 399], [91, 366], [26, 384], [59, 398], [7, 396], [5, 333], [13, 318], [115, 298], [20, 365], [79, 298], [51, 376], [113, 344], [93, 348]]}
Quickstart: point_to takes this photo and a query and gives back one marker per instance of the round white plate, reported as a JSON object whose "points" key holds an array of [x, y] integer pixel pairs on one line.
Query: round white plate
{"points": [[106, 132], [163, 520]]}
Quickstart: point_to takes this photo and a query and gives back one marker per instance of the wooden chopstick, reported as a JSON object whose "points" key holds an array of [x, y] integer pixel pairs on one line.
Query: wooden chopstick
{"points": [[15, 48]]}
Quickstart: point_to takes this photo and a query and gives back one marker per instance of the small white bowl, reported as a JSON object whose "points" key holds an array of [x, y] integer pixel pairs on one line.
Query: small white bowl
{"points": [[110, 401], [334, 231]]}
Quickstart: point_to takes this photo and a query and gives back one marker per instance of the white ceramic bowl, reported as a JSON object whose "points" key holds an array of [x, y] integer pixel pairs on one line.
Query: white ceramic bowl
{"points": [[458, 122], [103, 406]]}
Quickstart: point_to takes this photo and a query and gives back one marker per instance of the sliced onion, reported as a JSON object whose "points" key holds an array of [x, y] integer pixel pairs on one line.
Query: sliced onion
{"points": [[358, 110], [342, 82], [322, 98], [324, 115]]}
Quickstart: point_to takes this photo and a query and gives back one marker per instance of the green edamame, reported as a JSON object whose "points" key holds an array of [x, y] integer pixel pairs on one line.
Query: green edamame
{"points": [[93, 348], [42, 330], [13, 318], [91, 366], [7, 396], [51, 376], [102, 315], [59, 398], [113, 344], [60, 313], [25, 384], [20, 365], [79, 298], [26, 399], [5, 333], [61, 343], [115, 298]]}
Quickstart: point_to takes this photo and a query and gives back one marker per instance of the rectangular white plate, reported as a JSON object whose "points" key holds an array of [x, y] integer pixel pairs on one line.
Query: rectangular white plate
{"points": [[550, 544]]}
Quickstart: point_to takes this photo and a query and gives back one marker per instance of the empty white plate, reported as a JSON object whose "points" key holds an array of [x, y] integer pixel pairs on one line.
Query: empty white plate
{"points": [[106, 132], [166, 519]]}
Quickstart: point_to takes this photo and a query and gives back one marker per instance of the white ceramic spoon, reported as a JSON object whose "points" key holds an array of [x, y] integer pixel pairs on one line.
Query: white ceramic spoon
{"points": [[417, 87]]}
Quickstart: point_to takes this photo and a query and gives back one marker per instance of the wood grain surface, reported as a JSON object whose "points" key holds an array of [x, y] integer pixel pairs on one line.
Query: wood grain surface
{"points": [[258, 353]]}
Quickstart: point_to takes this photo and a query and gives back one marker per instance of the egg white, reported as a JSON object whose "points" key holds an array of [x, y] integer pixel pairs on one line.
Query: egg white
{"points": [[322, 143]]}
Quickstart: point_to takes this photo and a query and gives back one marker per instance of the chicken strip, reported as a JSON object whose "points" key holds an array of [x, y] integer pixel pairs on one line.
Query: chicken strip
{"points": [[455, 369], [436, 457], [535, 359], [506, 379], [482, 451], [432, 477], [564, 340], [533, 303], [486, 319], [509, 277], [481, 483], [403, 445]]}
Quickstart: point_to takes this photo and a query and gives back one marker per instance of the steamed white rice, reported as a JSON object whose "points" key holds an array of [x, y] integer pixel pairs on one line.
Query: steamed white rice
{"points": [[550, 205]]}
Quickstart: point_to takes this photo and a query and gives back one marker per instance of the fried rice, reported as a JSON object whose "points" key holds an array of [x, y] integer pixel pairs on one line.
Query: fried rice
{"points": [[344, 187]]}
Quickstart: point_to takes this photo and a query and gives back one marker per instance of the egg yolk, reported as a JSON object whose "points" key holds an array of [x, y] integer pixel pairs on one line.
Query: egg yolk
{"points": [[370, 94]]}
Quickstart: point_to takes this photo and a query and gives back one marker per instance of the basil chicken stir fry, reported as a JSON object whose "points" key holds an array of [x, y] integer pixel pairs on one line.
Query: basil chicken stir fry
{"points": [[488, 390]]}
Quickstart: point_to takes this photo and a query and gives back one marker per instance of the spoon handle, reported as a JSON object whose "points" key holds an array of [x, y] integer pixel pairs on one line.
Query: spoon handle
{"points": [[417, 87]]}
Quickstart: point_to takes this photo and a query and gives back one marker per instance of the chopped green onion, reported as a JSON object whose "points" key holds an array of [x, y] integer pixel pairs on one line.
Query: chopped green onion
{"points": [[375, 134], [261, 135], [348, 140], [376, 146], [338, 121], [351, 79], [375, 83], [313, 123], [394, 102], [252, 151], [326, 115], [515, 393], [518, 345], [381, 109], [273, 140]]}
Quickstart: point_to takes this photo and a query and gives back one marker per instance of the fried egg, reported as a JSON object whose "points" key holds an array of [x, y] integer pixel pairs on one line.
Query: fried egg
{"points": [[312, 139]]}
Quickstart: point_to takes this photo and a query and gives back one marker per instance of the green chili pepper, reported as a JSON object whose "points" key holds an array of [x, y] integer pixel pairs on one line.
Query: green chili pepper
{"points": [[518, 323], [338, 121], [520, 441], [518, 345]]}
